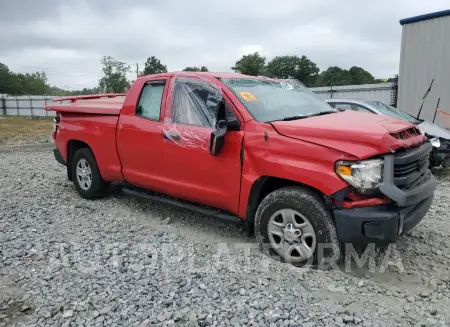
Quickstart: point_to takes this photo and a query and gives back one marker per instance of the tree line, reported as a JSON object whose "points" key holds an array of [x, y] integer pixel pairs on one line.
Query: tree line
{"points": [[115, 72]]}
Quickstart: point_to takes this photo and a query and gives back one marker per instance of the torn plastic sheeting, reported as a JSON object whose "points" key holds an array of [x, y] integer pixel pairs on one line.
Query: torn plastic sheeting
{"points": [[185, 137], [195, 103]]}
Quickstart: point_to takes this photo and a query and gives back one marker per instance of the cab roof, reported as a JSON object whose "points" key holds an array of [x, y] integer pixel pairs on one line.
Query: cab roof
{"points": [[203, 74]]}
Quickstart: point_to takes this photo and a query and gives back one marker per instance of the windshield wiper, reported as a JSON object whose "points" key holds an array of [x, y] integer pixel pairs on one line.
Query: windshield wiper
{"points": [[306, 116], [323, 113], [294, 117]]}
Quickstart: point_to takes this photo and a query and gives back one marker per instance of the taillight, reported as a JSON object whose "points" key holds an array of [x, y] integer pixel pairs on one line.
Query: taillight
{"points": [[56, 121]]}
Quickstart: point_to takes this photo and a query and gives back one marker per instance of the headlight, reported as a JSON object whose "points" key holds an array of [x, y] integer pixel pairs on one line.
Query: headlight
{"points": [[435, 142], [365, 175]]}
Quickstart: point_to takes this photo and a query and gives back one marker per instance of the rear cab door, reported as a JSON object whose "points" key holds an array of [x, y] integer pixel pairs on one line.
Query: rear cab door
{"points": [[196, 175], [139, 141]]}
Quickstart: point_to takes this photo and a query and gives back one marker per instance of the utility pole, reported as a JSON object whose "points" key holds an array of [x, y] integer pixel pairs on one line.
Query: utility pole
{"points": [[137, 70]]}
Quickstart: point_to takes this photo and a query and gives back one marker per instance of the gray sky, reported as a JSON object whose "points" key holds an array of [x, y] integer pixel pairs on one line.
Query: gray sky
{"points": [[67, 38]]}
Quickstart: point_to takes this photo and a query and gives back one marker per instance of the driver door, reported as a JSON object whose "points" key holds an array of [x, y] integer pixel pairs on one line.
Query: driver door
{"points": [[194, 173]]}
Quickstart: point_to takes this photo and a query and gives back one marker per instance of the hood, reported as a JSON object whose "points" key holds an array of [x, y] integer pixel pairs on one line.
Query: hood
{"points": [[362, 135], [434, 130]]}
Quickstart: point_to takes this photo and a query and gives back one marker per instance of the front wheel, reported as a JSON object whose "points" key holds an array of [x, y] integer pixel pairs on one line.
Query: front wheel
{"points": [[293, 225], [86, 175]]}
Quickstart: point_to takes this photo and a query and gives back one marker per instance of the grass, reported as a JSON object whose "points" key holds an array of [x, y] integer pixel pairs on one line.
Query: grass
{"points": [[24, 130]]}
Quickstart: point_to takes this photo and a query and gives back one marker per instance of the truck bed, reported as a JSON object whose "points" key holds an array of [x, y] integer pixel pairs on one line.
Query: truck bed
{"points": [[99, 104], [92, 120]]}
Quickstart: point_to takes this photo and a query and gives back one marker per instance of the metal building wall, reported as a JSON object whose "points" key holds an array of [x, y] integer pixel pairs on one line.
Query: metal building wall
{"points": [[425, 55]]}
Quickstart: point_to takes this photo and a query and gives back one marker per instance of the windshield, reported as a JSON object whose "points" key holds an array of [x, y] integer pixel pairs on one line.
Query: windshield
{"points": [[393, 112], [269, 100]]}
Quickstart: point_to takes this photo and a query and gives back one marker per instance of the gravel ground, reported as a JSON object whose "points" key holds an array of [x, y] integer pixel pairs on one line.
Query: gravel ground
{"points": [[119, 261]]}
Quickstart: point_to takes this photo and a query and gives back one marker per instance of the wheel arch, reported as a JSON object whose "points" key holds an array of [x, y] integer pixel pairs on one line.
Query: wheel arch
{"points": [[72, 147], [262, 187]]}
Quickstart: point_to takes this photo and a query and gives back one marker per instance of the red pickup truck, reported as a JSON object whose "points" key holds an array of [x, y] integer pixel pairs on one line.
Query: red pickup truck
{"points": [[305, 177]]}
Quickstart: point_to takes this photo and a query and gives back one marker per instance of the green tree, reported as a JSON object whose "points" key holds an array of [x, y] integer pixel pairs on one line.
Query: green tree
{"points": [[251, 64], [34, 84], [334, 76], [53, 90], [115, 75], [154, 66], [361, 76], [301, 68], [21, 84], [196, 69], [5, 79]]}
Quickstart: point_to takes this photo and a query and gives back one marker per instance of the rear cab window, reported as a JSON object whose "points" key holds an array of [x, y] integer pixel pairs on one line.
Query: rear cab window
{"points": [[149, 105]]}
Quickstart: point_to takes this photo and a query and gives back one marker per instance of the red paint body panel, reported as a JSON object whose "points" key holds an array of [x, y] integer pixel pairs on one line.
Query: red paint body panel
{"points": [[307, 163], [143, 151], [88, 107], [99, 132], [343, 131], [139, 141], [75, 98]]}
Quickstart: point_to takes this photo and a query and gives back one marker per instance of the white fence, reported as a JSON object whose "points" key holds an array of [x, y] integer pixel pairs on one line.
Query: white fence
{"points": [[26, 105], [380, 92], [34, 105]]}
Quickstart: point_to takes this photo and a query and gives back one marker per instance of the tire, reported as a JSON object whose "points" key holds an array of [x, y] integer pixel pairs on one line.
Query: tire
{"points": [[97, 187], [310, 216]]}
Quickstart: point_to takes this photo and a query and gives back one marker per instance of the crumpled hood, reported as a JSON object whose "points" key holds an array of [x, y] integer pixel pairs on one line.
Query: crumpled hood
{"points": [[434, 130], [362, 135]]}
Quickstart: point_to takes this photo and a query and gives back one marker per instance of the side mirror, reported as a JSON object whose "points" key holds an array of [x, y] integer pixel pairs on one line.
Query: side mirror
{"points": [[218, 138], [233, 124]]}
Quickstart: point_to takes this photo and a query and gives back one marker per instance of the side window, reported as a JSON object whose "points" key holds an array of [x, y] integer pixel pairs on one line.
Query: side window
{"points": [[357, 107], [195, 103], [149, 105], [332, 104], [351, 106], [342, 106]]}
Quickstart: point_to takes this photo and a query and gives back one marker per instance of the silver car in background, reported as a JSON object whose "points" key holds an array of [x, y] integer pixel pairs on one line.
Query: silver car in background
{"points": [[439, 137]]}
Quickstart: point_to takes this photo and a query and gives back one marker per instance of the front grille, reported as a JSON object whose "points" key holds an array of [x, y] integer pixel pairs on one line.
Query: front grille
{"points": [[417, 165], [406, 134], [411, 166]]}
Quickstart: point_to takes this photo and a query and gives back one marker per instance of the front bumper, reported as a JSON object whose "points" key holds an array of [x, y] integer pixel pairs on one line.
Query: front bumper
{"points": [[410, 185], [58, 157], [381, 224]]}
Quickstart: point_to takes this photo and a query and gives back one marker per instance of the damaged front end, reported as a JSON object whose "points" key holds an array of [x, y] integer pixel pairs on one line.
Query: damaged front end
{"points": [[397, 204]]}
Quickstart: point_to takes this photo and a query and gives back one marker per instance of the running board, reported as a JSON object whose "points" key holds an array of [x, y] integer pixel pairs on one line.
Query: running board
{"points": [[178, 203]]}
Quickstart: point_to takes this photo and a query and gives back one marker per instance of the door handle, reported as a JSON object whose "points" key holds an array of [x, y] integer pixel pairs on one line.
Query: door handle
{"points": [[171, 136]]}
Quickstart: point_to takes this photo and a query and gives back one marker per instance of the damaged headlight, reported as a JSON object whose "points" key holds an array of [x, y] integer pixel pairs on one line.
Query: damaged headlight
{"points": [[435, 142], [365, 175]]}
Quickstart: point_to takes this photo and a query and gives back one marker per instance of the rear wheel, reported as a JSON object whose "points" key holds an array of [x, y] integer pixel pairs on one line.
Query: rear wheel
{"points": [[86, 175], [293, 225]]}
